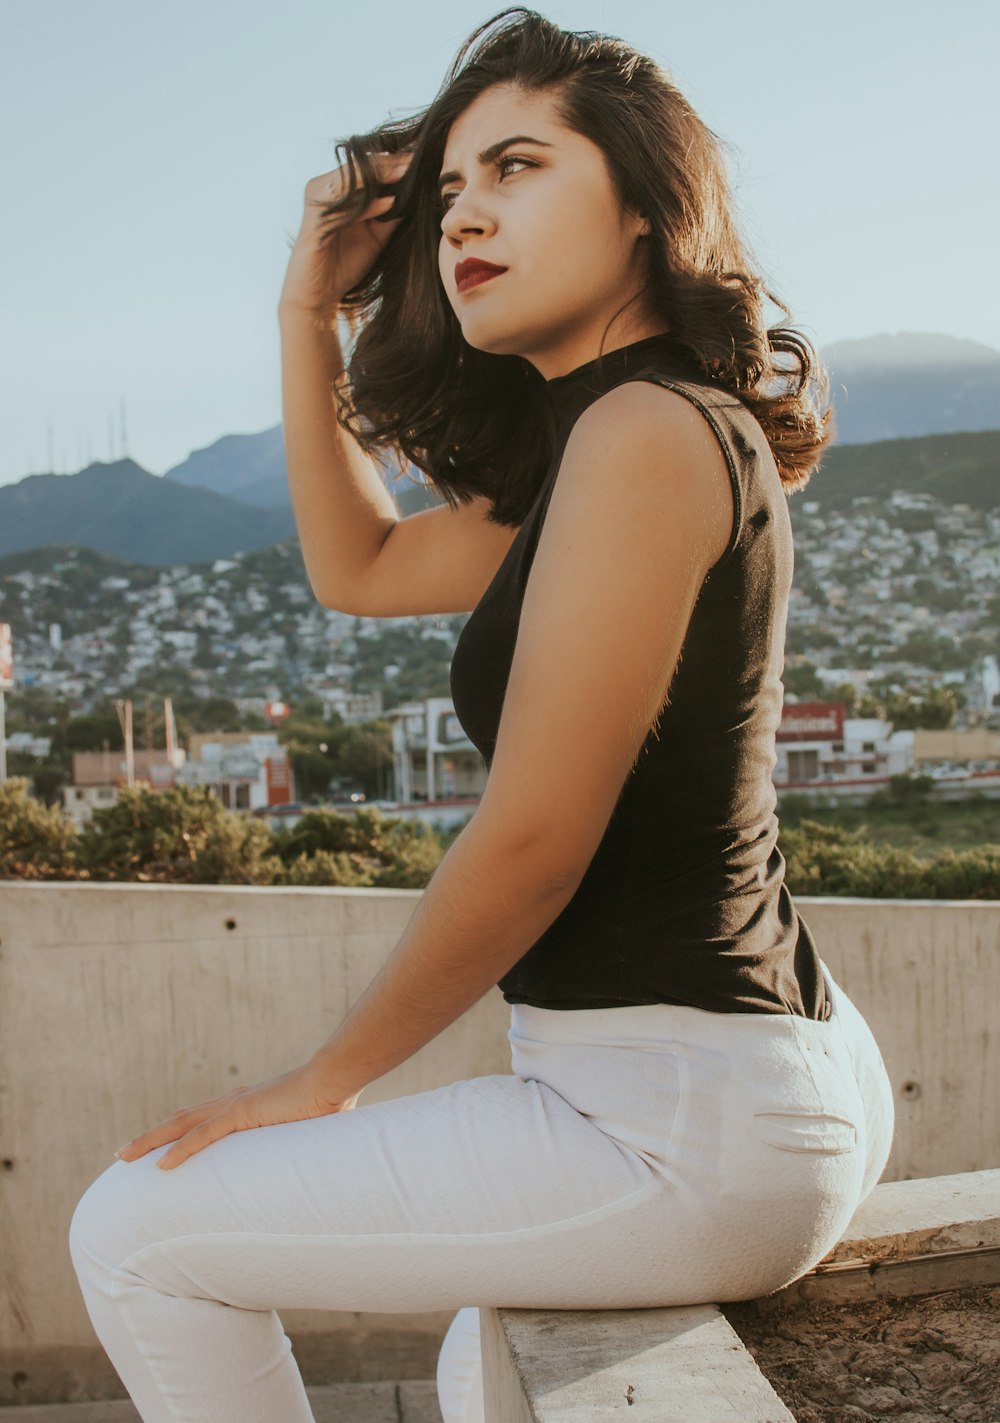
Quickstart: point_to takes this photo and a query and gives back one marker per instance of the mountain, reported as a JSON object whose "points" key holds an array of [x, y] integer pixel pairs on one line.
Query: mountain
{"points": [[252, 468], [122, 509], [912, 383], [916, 412], [962, 468]]}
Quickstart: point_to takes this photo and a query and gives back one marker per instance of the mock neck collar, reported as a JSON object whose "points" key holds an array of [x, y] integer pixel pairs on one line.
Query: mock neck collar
{"points": [[572, 392]]}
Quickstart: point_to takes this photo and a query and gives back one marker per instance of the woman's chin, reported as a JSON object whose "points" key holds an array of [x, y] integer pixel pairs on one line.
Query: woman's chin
{"points": [[492, 339]]}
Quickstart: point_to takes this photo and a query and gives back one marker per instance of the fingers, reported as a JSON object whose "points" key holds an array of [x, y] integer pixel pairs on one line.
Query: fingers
{"points": [[195, 1141], [174, 1127]]}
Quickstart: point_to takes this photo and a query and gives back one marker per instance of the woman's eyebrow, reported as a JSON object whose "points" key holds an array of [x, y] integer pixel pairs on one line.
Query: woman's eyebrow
{"points": [[494, 151]]}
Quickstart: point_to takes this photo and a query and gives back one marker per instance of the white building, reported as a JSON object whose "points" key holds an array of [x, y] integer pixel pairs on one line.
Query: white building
{"points": [[433, 759], [245, 770], [816, 743]]}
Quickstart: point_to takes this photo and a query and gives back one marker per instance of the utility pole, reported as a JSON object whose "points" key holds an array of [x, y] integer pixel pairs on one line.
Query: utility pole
{"points": [[169, 728], [124, 710]]}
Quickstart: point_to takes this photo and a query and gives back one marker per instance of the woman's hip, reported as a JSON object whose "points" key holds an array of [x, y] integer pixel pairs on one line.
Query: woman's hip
{"points": [[709, 1098]]}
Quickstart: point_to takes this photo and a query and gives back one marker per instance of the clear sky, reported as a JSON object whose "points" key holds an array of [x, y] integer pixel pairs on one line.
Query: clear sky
{"points": [[154, 156]]}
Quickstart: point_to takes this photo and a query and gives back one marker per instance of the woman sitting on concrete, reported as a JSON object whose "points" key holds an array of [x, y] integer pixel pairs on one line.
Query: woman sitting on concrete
{"points": [[554, 318]]}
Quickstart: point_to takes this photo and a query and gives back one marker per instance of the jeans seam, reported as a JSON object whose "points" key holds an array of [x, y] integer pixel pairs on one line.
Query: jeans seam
{"points": [[612, 1208]]}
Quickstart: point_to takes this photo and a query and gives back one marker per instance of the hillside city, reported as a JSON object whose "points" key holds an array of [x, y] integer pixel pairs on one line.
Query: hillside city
{"points": [[898, 595], [903, 589]]}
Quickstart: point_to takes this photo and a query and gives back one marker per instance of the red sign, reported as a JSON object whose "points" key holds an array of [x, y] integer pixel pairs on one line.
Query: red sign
{"points": [[811, 721], [279, 780], [6, 656]]}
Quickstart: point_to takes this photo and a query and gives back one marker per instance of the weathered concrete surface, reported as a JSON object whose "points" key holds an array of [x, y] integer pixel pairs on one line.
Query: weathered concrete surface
{"points": [[121, 1002], [681, 1365], [926, 976], [902, 1218], [909, 1237], [572, 1366], [413, 1401]]}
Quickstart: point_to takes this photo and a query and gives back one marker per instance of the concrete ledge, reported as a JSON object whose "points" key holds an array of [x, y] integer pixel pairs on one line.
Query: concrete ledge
{"points": [[907, 1238], [688, 1365], [680, 1365]]}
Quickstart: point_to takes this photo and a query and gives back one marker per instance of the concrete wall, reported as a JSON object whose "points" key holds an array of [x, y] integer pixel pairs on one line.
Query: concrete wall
{"points": [[119, 1003]]}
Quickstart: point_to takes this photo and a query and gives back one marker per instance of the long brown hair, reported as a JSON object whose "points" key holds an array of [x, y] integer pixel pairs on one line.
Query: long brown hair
{"points": [[480, 424]]}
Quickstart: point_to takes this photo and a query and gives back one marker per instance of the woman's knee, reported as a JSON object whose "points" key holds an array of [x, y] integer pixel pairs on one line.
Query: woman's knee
{"points": [[117, 1215]]}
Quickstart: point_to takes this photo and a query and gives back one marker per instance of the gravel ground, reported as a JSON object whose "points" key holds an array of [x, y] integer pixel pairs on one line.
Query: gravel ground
{"points": [[915, 1360]]}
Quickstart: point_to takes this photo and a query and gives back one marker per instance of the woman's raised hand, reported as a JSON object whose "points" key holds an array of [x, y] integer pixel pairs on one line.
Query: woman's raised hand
{"points": [[331, 255]]}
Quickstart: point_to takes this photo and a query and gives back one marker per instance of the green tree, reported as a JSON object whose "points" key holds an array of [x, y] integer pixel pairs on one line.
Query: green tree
{"points": [[89, 732], [36, 841], [48, 780], [181, 835], [830, 860], [367, 847], [362, 753]]}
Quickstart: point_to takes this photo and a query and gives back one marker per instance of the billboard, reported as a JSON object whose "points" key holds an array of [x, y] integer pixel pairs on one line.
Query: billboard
{"points": [[811, 721]]}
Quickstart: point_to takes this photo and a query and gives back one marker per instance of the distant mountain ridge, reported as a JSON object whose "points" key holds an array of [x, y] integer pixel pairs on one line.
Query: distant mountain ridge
{"points": [[892, 387], [252, 468], [122, 509], [962, 468], [911, 410]]}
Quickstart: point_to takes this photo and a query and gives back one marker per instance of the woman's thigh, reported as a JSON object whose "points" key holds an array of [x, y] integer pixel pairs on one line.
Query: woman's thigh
{"points": [[639, 1156], [484, 1190]]}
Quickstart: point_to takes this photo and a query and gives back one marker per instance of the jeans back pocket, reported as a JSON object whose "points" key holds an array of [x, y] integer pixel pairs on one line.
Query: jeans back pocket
{"points": [[817, 1132]]}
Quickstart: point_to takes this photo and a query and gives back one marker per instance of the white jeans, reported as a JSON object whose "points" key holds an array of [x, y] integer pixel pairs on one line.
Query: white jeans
{"points": [[638, 1156]]}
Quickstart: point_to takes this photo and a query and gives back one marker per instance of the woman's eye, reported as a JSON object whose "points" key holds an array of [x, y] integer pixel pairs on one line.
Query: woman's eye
{"points": [[501, 164]]}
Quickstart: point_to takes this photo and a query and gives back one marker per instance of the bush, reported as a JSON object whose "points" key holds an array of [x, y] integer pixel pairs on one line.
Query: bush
{"points": [[183, 835], [36, 841], [828, 860], [186, 836], [327, 867], [366, 848]]}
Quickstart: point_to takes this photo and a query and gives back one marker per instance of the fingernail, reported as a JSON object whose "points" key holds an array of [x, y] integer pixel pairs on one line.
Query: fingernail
{"points": [[119, 1154]]}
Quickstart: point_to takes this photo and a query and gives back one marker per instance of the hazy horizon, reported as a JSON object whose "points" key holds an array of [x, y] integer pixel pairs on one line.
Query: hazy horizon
{"points": [[160, 159]]}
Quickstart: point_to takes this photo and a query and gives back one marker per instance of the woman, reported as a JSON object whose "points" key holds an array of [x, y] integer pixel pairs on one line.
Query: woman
{"points": [[555, 320]]}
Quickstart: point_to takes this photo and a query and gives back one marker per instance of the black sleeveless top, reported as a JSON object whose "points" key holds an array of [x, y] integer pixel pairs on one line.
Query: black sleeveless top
{"points": [[684, 900]]}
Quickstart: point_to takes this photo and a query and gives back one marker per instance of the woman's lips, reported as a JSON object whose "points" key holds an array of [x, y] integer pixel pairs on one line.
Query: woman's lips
{"points": [[474, 276]]}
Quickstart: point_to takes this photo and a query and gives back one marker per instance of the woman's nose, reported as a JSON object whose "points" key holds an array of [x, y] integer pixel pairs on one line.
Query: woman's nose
{"points": [[465, 216]]}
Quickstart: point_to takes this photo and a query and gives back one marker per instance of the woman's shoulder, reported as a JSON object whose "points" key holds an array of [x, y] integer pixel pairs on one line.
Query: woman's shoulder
{"points": [[641, 446], [736, 427], [670, 408]]}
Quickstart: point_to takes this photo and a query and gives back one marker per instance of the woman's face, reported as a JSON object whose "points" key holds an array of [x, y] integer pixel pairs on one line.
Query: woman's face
{"points": [[546, 212]]}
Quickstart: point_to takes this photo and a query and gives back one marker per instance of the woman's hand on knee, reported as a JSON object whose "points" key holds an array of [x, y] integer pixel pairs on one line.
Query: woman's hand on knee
{"points": [[292, 1097]]}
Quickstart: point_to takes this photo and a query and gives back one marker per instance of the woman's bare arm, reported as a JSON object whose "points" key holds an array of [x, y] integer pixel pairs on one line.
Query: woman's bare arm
{"points": [[342, 508], [360, 555]]}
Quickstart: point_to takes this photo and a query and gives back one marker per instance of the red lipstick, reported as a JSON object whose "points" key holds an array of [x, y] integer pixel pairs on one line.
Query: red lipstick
{"points": [[472, 271]]}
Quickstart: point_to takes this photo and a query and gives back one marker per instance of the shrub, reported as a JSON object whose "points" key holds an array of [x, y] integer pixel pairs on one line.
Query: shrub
{"points": [[36, 841], [183, 835], [386, 852], [829, 860]]}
